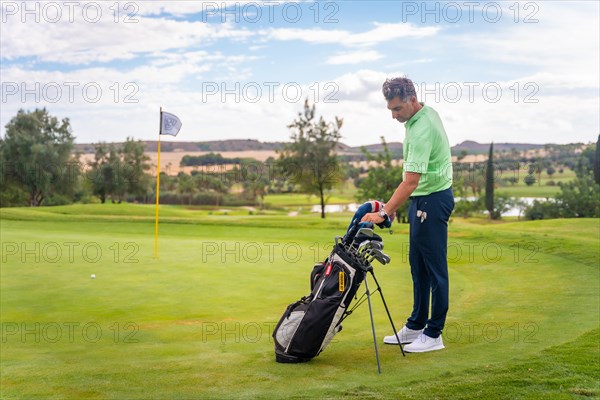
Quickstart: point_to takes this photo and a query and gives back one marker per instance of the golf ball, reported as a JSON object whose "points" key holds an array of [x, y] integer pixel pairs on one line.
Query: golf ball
{"points": [[93, 276]]}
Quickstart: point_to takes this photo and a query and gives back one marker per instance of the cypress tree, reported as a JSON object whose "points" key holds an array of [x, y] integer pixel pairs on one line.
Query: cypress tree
{"points": [[489, 183], [597, 162]]}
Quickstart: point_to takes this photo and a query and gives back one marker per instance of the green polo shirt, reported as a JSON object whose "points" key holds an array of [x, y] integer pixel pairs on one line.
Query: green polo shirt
{"points": [[427, 152]]}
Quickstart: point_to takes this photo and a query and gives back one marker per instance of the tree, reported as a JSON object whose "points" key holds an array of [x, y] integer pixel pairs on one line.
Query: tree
{"points": [[502, 204], [118, 182], [465, 207], [107, 167], [579, 198], [185, 187], [512, 180], [529, 180], [217, 183], [102, 177], [36, 152], [382, 180], [489, 184], [120, 171], [135, 164], [472, 177], [310, 160], [597, 162], [521, 205], [255, 188]]}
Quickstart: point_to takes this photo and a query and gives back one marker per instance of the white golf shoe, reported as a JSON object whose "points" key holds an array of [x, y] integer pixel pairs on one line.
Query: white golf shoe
{"points": [[424, 343], [406, 336]]}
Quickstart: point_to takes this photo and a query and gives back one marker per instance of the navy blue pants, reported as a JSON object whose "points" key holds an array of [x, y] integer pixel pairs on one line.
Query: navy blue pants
{"points": [[428, 256]]}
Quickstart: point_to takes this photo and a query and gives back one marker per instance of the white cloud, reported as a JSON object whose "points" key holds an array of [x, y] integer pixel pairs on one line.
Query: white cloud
{"points": [[163, 68], [563, 67], [355, 57], [118, 95], [564, 42], [379, 34], [504, 112], [175, 8], [360, 86], [85, 42], [214, 11], [560, 118]]}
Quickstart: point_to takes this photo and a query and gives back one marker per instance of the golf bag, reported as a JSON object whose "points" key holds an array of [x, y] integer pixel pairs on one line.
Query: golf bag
{"points": [[308, 325]]}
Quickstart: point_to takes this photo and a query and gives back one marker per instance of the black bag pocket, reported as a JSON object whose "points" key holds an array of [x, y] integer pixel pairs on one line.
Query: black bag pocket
{"points": [[291, 318], [310, 333], [316, 274], [336, 282]]}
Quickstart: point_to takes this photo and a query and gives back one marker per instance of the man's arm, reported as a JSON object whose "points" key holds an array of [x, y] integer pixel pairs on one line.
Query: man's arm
{"points": [[402, 193]]}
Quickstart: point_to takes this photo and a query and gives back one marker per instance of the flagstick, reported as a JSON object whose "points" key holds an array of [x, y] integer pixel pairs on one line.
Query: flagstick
{"points": [[157, 191]]}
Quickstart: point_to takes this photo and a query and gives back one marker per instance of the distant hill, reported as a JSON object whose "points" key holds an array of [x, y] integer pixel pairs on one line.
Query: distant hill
{"points": [[472, 147], [237, 145], [393, 147], [215, 146]]}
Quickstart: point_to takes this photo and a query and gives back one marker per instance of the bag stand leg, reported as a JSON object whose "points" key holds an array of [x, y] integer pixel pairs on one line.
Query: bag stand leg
{"points": [[368, 293], [387, 310]]}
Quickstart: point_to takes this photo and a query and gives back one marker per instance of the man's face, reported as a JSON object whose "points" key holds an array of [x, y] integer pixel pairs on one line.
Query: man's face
{"points": [[402, 110]]}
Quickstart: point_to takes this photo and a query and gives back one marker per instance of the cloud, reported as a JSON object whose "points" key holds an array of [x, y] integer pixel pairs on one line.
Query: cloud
{"points": [[83, 42], [502, 111], [382, 32], [361, 86], [160, 68], [356, 97], [211, 10], [167, 60], [175, 8], [355, 57], [545, 45]]}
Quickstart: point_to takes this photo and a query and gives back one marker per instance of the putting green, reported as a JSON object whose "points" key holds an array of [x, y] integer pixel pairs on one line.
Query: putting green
{"points": [[196, 322]]}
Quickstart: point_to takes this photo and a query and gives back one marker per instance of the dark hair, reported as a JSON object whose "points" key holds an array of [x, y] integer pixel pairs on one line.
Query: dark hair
{"points": [[401, 87]]}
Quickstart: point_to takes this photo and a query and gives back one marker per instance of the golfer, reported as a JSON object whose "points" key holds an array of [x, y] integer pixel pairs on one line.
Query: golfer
{"points": [[427, 182]]}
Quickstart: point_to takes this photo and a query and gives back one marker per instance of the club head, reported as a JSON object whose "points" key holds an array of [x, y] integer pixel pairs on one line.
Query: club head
{"points": [[361, 238], [374, 246], [368, 255], [368, 245], [381, 259], [377, 245], [363, 246], [366, 232], [376, 254]]}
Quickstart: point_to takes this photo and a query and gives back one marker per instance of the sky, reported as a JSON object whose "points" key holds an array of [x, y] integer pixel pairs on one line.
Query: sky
{"points": [[503, 71]]}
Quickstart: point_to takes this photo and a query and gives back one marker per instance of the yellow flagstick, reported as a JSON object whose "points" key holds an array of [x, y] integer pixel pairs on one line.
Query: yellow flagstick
{"points": [[157, 191]]}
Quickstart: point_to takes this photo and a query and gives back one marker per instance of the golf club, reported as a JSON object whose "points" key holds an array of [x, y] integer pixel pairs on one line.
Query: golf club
{"points": [[376, 254], [363, 246], [365, 231]]}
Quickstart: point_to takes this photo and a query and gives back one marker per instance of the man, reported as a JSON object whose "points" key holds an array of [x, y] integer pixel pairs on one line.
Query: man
{"points": [[427, 181]]}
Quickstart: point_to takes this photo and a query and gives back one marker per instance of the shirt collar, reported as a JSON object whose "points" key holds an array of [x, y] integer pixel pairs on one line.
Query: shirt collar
{"points": [[415, 117]]}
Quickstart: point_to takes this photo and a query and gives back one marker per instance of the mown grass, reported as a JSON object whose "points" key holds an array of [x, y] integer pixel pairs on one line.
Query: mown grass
{"points": [[342, 194], [540, 188], [196, 322], [566, 371], [541, 191]]}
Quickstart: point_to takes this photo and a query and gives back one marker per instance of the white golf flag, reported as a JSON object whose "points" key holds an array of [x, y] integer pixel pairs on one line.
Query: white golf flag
{"points": [[169, 124]]}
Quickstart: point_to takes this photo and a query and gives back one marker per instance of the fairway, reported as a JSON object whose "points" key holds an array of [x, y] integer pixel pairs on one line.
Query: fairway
{"points": [[197, 322]]}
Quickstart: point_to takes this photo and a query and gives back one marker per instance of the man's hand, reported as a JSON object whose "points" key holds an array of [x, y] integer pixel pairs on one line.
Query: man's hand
{"points": [[372, 217]]}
